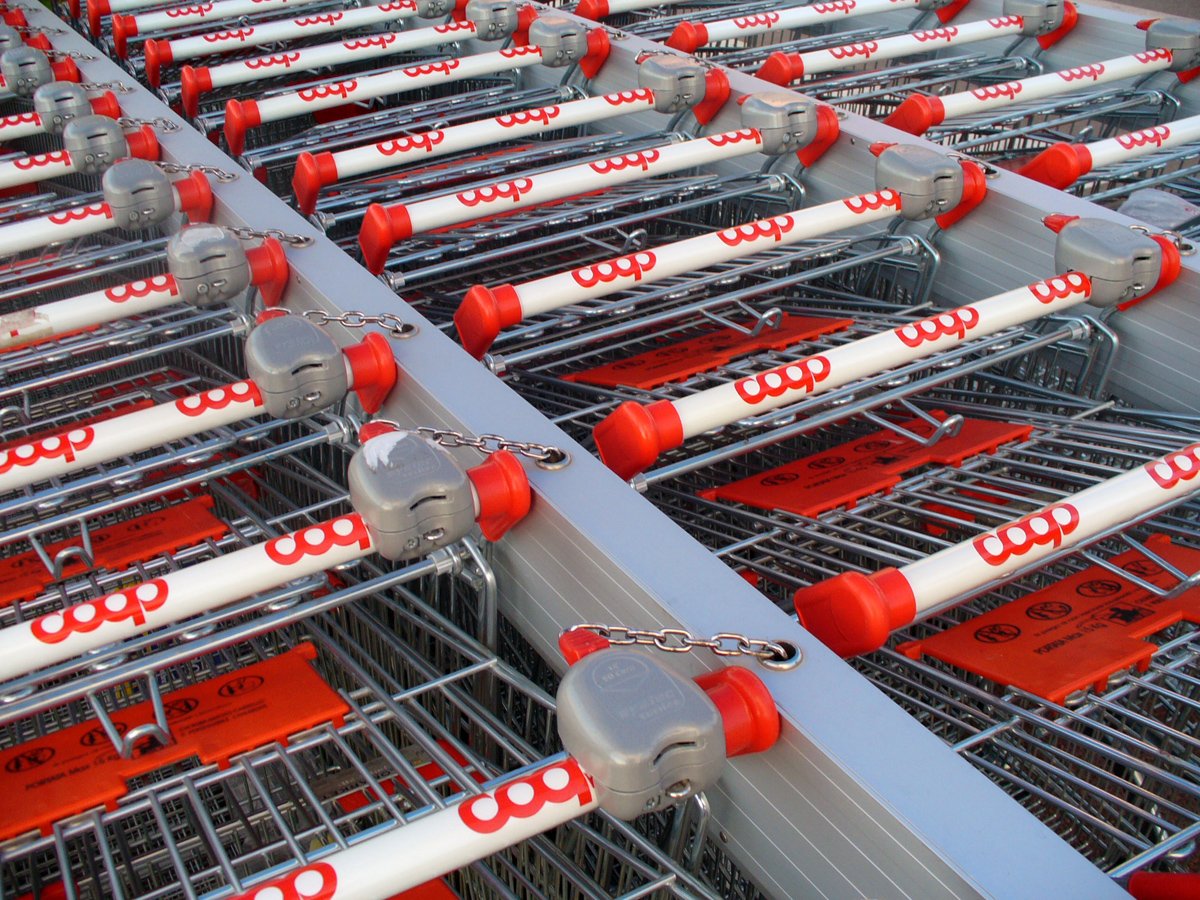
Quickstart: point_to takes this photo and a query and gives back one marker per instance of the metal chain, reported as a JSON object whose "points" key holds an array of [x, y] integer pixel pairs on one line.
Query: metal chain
{"points": [[164, 125], [354, 319], [177, 169], [544, 455], [284, 237], [676, 640], [119, 86]]}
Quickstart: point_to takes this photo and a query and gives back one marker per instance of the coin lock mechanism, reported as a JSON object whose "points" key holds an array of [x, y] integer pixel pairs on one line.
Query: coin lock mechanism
{"points": [[1122, 265], [208, 264], [59, 102], [25, 70]]}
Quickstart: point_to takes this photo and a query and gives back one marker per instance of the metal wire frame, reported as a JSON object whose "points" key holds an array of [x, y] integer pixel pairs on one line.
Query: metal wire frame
{"points": [[604, 223], [419, 690], [109, 262], [1176, 170]]}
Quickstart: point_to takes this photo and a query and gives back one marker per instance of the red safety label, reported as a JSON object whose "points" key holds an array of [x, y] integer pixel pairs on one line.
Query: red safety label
{"points": [[24, 576], [843, 475], [677, 360], [76, 769], [1076, 633]]}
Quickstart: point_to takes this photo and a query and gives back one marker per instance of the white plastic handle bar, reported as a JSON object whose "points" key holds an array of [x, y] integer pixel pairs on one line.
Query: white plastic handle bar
{"points": [[633, 436], [691, 36], [39, 231], [853, 613], [64, 316], [1062, 164], [920, 112], [129, 26], [58, 636], [26, 124], [784, 68], [525, 804], [260, 33], [78, 448], [383, 226], [35, 167], [314, 171], [241, 115], [484, 311]]}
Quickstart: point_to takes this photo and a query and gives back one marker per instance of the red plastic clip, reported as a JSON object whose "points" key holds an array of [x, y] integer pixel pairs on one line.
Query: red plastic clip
{"points": [[373, 371], [1172, 265], [747, 709], [526, 16], [503, 491], [106, 105], [313, 172], [633, 436], [598, 48], [65, 70], [829, 129], [575, 645], [143, 144], [1070, 20], [1056, 222], [195, 197], [716, 95], [269, 270], [974, 190]]}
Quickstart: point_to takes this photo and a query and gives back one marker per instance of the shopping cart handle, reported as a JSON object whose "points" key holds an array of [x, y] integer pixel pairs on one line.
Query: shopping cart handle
{"points": [[210, 266], [853, 613], [1059, 165]]}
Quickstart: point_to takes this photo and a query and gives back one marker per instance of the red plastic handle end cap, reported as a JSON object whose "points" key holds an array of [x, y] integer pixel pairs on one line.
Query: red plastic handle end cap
{"points": [[381, 227], [66, 70], [716, 95], [854, 613], [193, 82], [503, 491], [269, 270], [1059, 165], [36, 41], [143, 144], [373, 371], [96, 9], [688, 37], [974, 190], [123, 28], [917, 114], [157, 54], [481, 315], [1070, 20], [598, 49], [592, 9], [947, 13], [240, 117], [195, 197], [633, 436], [575, 645], [779, 68], [829, 129], [746, 707], [106, 105], [313, 172]]}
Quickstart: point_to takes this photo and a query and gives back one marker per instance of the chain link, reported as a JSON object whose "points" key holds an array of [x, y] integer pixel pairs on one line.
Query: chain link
{"points": [[164, 125], [220, 174], [544, 455], [284, 237], [119, 86], [676, 640], [354, 319], [72, 54]]}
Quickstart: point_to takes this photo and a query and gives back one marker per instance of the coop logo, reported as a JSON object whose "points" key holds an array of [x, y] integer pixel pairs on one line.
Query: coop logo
{"points": [[772, 229], [1147, 57], [762, 20], [632, 266], [640, 160], [516, 52], [1092, 71], [505, 190], [267, 62], [1147, 137], [865, 49], [541, 116], [80, 214], [345, 531], [1049, 526], [454, 27], [445, 67], [525, 797], [135, 290], [736, 137], [1008, 90], [1183, 465], [383, 41], [936, 34], [63, 446], [313, 882], [397, 6], [200, 9], [836, 6], [1061, 287], [803, 375], [337, 89], [311, 21], [131, 605], [21, 119], [955, 323], [42, 159], [1007, 22], [864, 203], [426, 142], [219, 398], [641, 95], [220, 37]]}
